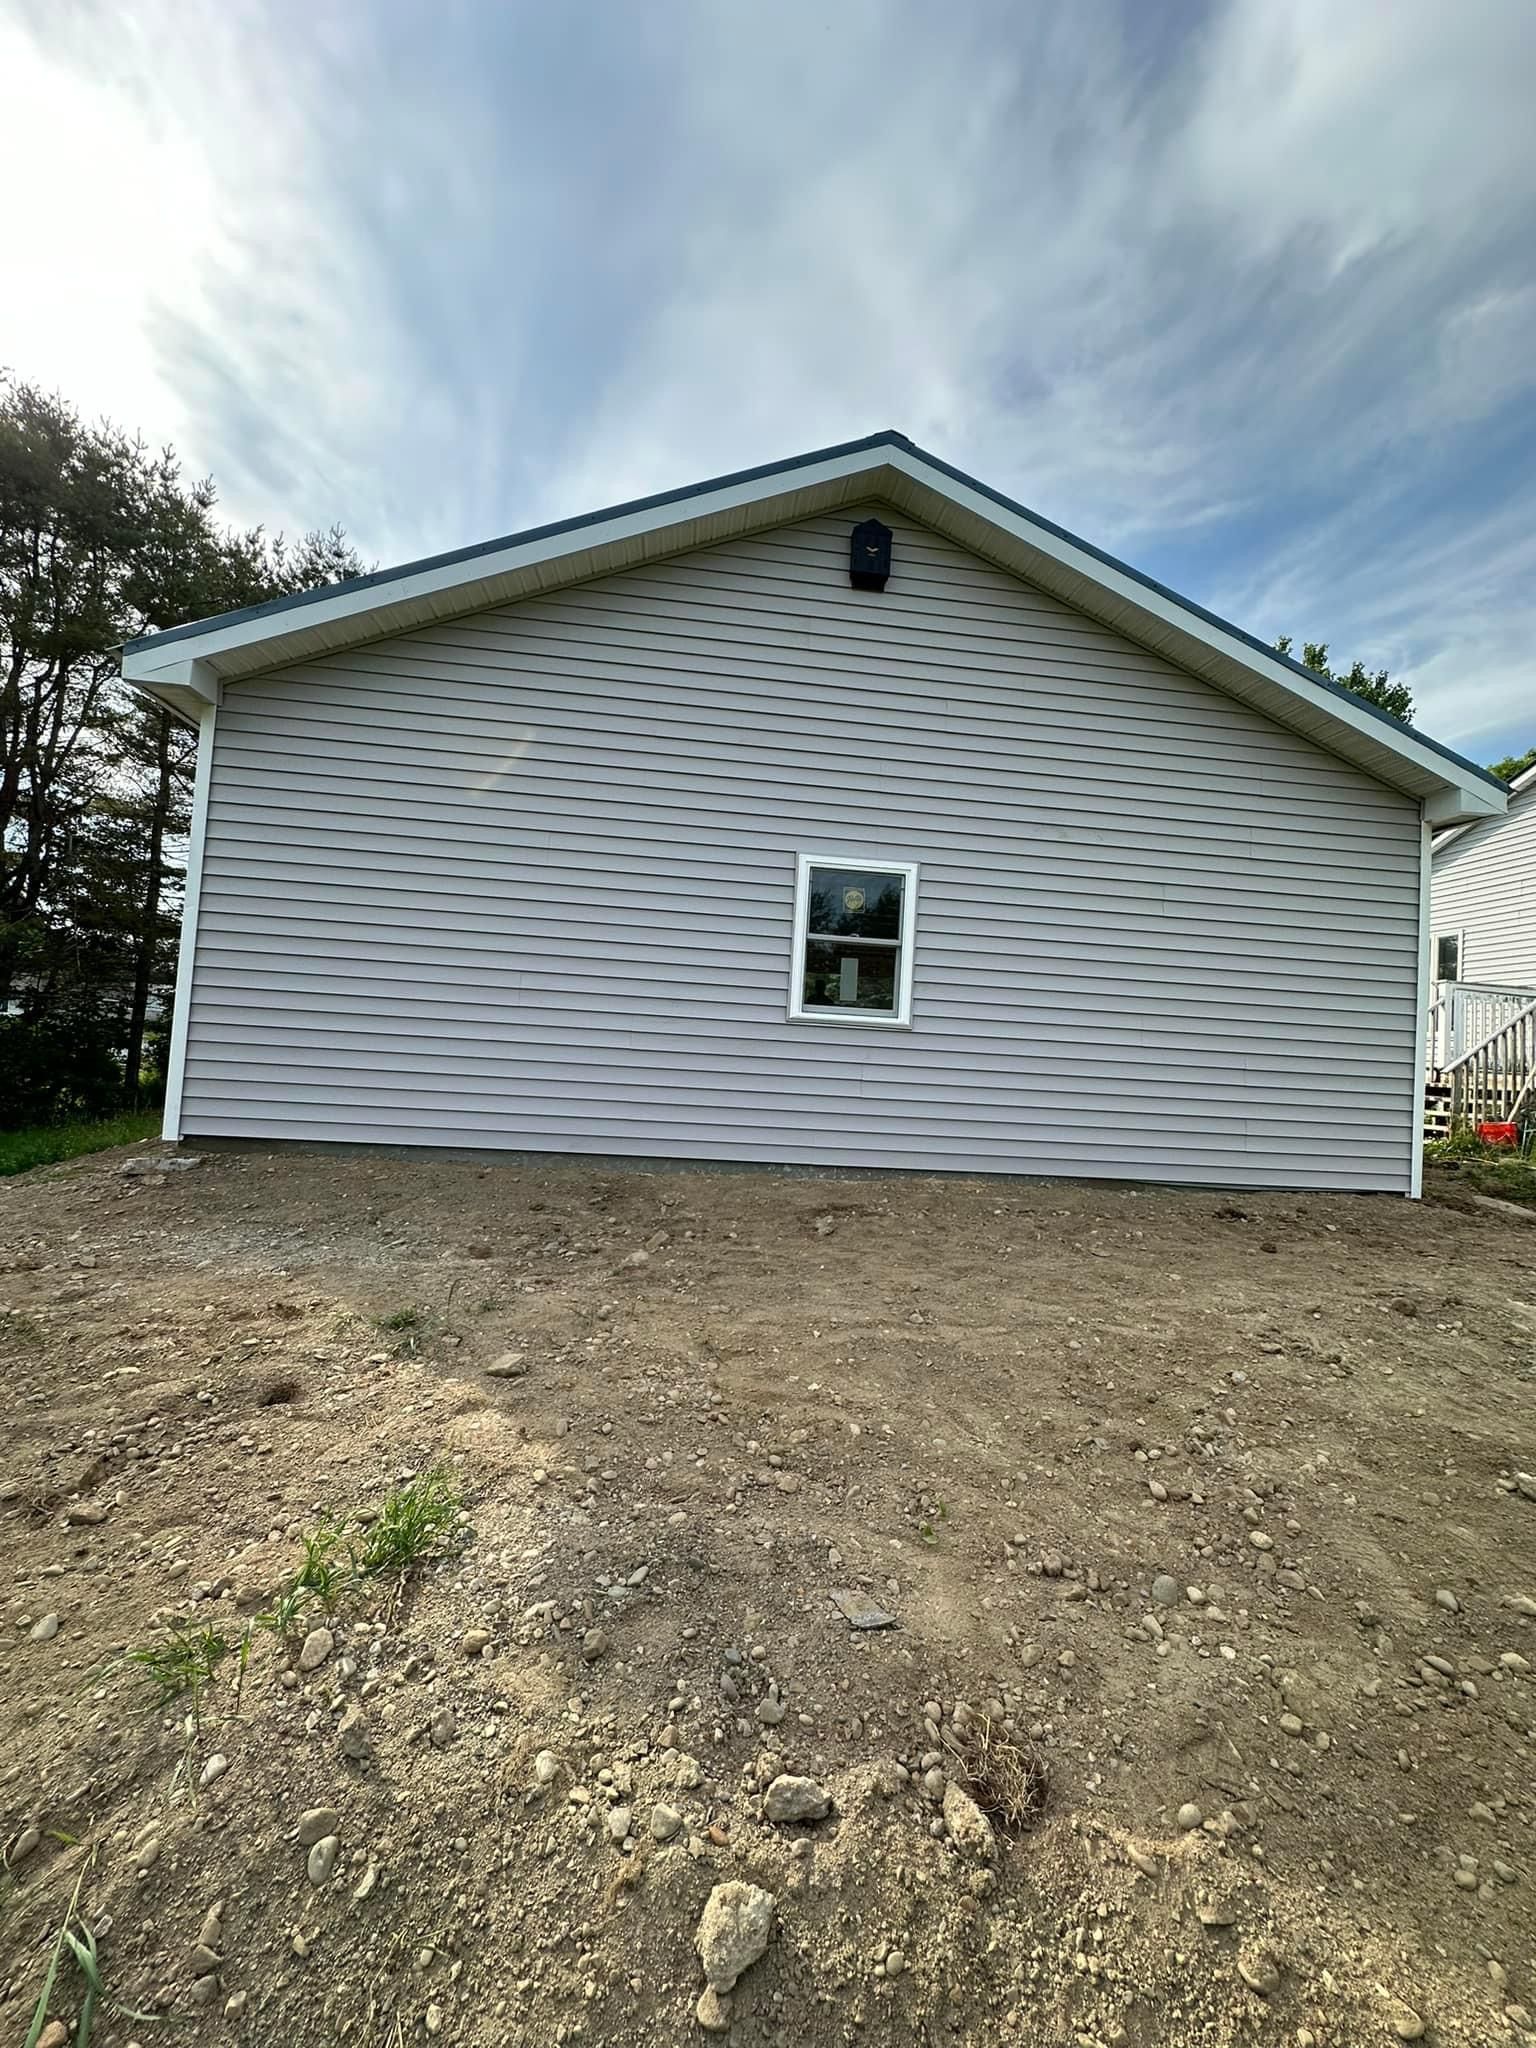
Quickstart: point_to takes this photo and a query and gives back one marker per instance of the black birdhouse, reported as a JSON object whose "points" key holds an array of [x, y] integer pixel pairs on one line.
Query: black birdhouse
{"points": [[869, 555]]}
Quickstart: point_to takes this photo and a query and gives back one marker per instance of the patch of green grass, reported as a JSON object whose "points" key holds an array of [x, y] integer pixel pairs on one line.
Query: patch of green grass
{"points": [[1463, 1161], [417, 1522], [43, 1144]]}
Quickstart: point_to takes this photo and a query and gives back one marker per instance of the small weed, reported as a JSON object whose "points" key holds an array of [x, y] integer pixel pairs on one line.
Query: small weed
{"points": [[184, 1662], [66, 1937], [282, 1618], [408, 1327], [325, 1574], [417, 1522]]}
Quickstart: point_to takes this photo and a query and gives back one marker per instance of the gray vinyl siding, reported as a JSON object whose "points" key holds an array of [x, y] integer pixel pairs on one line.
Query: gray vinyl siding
{"points": [[1483, 884], [525, 880]]}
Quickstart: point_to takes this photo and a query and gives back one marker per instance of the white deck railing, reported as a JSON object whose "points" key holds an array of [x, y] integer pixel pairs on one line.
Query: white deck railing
{"points": [[1495, 1080], [1466, 1014]]}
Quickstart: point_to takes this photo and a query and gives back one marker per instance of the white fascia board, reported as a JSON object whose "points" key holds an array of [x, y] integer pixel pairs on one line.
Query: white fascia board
{"points": [[424, 585], [1472, 794]]}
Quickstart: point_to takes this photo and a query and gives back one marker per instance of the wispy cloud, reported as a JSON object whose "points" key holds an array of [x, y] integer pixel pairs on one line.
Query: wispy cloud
{"points": [[1242, 291]]}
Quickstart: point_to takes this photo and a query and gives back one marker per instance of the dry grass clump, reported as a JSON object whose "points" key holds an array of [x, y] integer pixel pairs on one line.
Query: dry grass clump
{"points": [[1005, 1776]]}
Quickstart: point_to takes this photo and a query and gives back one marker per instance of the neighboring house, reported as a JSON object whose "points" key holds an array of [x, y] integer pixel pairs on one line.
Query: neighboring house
{"points": [[1482, 913], [685, 830], [1482, 922]]}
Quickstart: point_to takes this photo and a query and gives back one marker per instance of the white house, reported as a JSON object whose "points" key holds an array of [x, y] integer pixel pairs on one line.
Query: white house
{"points": [[1483, 897], [1483, 943], [839, 812]]}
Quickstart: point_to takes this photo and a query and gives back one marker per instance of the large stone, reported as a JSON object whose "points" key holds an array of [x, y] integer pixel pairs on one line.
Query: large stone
{"points": [[316, 1824], [733, 1931], [969, 1828], [790, 1799], [318, 1645]]}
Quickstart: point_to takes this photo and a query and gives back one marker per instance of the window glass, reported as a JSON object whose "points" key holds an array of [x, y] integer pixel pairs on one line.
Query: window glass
{"points": [[854, 903], [846, 974], [1448, 957]]}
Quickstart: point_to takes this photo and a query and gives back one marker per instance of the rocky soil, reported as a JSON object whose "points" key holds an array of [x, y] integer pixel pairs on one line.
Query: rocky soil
{"points": [[804, 1521]]}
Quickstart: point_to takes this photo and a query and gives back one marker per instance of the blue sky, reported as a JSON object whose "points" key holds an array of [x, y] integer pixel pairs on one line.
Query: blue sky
{"points": [[1244, 290]]}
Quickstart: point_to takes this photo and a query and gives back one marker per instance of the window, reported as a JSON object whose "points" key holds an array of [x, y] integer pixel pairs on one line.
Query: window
{"points": [[853, 940], [1448, 957]]}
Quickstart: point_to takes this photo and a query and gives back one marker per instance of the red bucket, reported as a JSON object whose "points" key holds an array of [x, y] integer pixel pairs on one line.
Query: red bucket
{"points": [[1499, 1134]]}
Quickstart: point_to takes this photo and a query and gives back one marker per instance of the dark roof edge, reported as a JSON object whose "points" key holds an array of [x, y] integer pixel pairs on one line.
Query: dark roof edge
{"points": [[1211, 618], [888, 437]]}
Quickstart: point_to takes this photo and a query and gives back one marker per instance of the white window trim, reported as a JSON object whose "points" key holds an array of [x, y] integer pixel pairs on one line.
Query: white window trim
{"points": [[798, 1013], [1460, 936]]}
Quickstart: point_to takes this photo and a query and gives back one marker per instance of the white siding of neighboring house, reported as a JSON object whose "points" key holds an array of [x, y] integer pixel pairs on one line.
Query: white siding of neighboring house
{"points": [[525, 881], [1483, 885]]}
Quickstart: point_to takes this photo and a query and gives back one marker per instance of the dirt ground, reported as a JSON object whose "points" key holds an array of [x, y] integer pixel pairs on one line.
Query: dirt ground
{"points": [[995, 1411]]}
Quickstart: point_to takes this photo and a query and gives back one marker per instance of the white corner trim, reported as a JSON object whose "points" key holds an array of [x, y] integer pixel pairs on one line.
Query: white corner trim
{"points": [[176, 1063], [1421, 1013], [796, 1012]]}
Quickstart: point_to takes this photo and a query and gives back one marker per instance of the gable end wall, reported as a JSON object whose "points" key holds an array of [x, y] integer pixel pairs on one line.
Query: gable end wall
{"points": [[525, 881]]}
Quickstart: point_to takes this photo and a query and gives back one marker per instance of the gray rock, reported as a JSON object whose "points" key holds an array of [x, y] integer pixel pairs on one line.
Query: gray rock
{"points": [[665, 1822], [211, 1933], [733, 1931], [791, 1799], [318, 1645], [969, 1828], [594, 1644], [444, 1729], [25, 1843], [1526, 1484], [1189, 1816], [205, 1960], [546, 1767], [859, 1611], [713, 2012], [45, 1630], [619, 1822], [1445, 1598], [770, 1712], [475, 1641], [1522, 1603], [316, 1824], [1259, 1974], [352, 1734], [1165, 1590], [895, 1963], [215, 1767], [322, 1858]]}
